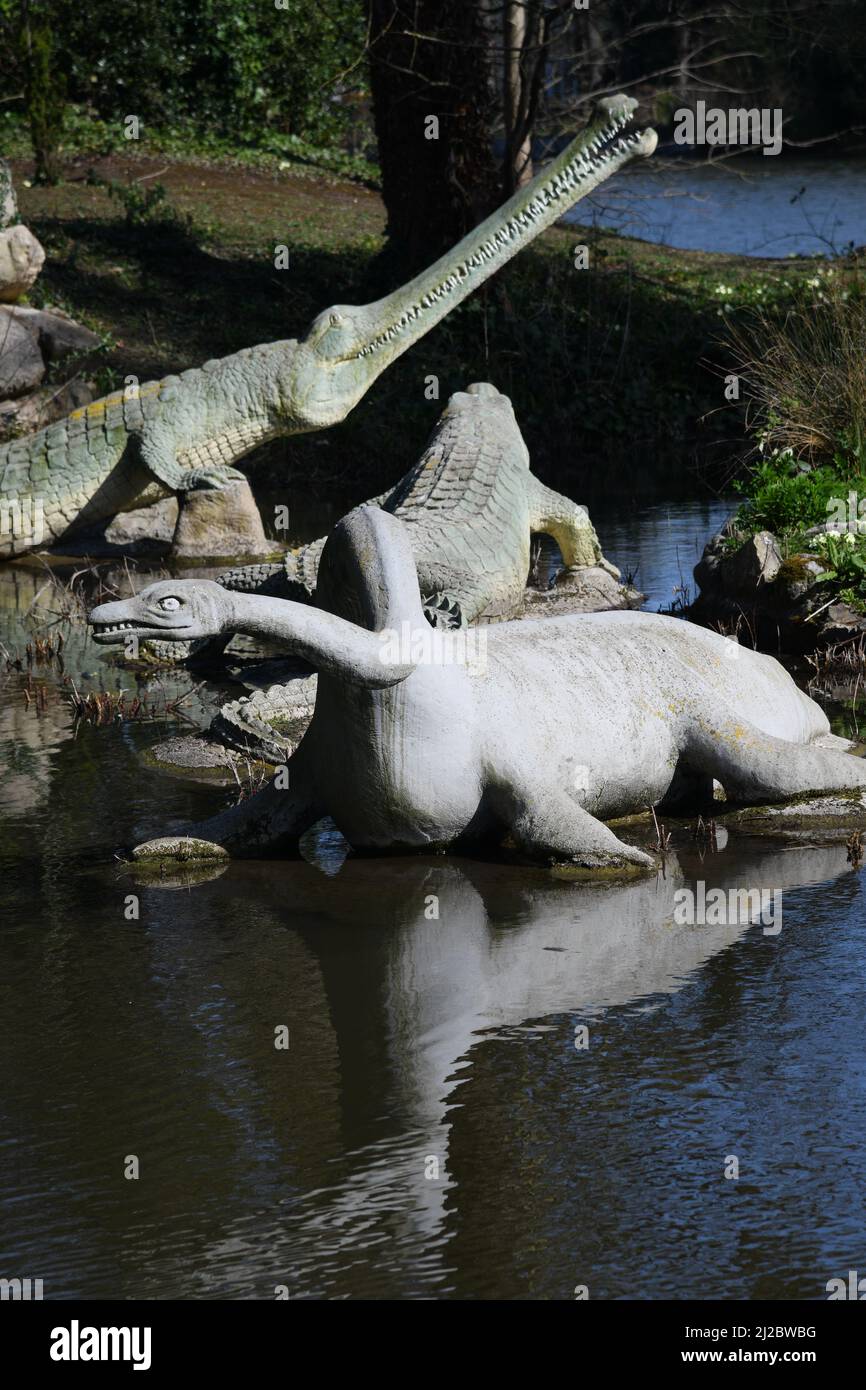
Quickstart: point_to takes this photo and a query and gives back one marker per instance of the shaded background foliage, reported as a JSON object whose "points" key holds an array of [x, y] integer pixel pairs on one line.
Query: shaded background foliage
{"points": [[364, 72], [230, 67]]}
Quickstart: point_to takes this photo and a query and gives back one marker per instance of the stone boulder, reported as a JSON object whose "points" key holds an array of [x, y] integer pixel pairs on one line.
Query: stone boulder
{"points": [[799, 575], [21, 259], [582, 589], [58, 333], [42, 407], [757, 562], [148, 525], [21, 365], [782, 602], [219, 523], [706, 571]]}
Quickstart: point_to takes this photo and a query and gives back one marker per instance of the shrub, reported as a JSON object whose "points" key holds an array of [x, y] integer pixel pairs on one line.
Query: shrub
{"points": [[786, 497], [45, 98], [805, 376]]}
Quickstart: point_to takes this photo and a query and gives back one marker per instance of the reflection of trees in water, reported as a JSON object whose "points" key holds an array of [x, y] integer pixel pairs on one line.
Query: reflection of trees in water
{"points": [[32, 733]]}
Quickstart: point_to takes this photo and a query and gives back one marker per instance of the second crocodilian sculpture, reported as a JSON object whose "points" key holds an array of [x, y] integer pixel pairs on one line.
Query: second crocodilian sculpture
{"points": [[187, 432], [470, 505], [540, 729]]}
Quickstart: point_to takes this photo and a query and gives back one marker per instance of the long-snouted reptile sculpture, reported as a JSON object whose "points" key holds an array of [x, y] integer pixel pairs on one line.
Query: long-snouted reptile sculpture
{"points": [[471, 506], [187, 431], [411, 747]]}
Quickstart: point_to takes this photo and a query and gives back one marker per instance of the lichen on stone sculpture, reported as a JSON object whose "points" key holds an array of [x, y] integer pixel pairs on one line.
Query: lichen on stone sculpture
{"points": [[187, 432], [548, 730]]}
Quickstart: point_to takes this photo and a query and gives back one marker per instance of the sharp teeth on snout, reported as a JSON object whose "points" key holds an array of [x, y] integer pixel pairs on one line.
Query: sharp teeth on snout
{"points": [[593, 158]]}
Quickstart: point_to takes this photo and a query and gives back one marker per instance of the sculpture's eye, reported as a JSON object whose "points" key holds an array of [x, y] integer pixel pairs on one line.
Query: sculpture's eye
{"points": [[169, 605], [336, 320]]}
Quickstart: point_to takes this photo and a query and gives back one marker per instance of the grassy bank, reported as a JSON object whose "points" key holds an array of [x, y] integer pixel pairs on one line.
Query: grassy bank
{"points": [[610, 369]]}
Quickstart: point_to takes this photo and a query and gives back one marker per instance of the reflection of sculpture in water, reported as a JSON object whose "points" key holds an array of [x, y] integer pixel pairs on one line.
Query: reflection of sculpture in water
{"points": [[412, 994]]}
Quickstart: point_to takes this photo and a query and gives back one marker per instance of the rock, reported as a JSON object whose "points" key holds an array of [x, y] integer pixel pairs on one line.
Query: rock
{"points": [[841, 620], [8, 201], [42, 407], [798, 575], [706, 571], [196, 756], [181, 847], [21, 259], [757, 562], [582, 589], [813, 818], [58, 333], [21, 364], [156, 523], [780, 605], [220, 522]]}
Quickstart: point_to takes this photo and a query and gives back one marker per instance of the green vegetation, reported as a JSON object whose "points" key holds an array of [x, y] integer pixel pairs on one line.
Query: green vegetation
{"points": [[88, 136], [807, 377], [787, 497], [225, 69], [804, 374], [45, 95], [805, 371]]}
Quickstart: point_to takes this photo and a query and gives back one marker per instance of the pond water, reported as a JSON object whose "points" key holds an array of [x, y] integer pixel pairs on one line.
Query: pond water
{"points": [[753, 205], [660, 543], [431, 1129]]}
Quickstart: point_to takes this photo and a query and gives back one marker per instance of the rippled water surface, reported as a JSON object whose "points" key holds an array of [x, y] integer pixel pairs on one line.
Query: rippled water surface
{"points": [[431, 1129], [754, 205]]}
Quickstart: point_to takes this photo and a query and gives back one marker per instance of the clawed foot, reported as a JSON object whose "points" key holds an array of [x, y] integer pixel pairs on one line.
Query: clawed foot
{"points": [[201, 479], [627, 859]]}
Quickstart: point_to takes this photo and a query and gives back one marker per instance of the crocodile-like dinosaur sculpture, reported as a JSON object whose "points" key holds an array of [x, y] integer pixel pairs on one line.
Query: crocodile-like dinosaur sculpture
{"points": [[471, 505], [188, 431], [556, 726]]}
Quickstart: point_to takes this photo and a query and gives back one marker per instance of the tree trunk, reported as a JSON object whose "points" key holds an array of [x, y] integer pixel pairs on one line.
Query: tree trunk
{"points": [[433, 109], [518, 141]]}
